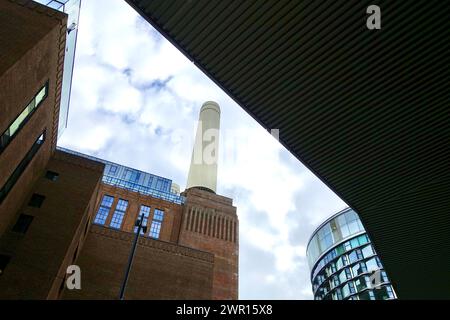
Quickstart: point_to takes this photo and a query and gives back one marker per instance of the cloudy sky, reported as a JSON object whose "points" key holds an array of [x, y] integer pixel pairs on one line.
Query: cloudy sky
{"points": [[135, 101]]}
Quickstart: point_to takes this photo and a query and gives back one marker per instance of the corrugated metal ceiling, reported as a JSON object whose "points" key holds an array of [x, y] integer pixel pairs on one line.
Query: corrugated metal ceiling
{"points": [[366, 110]]}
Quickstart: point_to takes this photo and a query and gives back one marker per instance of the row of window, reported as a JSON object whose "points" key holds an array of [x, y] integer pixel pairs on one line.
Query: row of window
{"points": [[133, 176], [357, 268], [23, 117], [12, 131], [119, 213], [339, 250], [143, 189], [352, 272], [17, 173], [24, 221], [384, 292], [337, 229]]}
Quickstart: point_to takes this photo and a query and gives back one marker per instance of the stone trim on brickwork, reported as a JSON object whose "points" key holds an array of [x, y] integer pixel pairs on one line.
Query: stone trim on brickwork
{"points": [[152, 243]]}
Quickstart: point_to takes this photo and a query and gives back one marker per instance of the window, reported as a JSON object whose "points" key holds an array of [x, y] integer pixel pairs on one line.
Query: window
{"points": [[384, 293], [344, 276], [362, 283], [348, 289], [325, 237], [146, 211], [22, 223], [36, 200], [359, 269], [155, 229], [347, 246], [341, 262], [372, 264], [367, 251], [4, 260], [337, 294], [159, 184], [363, 239], [158, 215], [112, 170], [384, 277], [335, 281], [22, 118], [7, 187], [367, 295], [131, 175], [103, 211], [331, 269], [50, 175], [119, 213]]}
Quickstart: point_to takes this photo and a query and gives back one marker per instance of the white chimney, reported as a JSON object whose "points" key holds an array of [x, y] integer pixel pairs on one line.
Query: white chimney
{"points": [[203, 169]]}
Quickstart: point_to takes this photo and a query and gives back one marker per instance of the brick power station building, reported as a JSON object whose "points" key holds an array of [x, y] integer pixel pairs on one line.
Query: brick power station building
{"points": [[60, 208]]}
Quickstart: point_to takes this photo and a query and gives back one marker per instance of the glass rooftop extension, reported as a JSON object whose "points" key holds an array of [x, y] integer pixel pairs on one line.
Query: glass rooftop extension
{"points": [[134, 180]]}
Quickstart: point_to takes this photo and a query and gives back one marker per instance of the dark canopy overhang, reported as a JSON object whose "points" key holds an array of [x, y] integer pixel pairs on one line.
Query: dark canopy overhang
{"points": [[366, 110]]}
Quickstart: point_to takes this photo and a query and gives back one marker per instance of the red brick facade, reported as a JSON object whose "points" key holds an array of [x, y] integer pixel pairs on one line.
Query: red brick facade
{"points": [[195, 257], [196, 253]]}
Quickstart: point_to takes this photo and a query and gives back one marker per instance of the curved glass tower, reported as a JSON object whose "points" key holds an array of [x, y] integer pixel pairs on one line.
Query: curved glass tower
{"points": [[343, 263]]}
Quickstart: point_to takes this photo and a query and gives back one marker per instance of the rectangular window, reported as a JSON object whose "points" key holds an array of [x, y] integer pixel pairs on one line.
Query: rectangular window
{"points": [[146, 211], [131, 175], [367, 295], [112, 170], [22, 118], [21, 167], [119, 213], [22, 223], [155, 229], [36, 200], [50, 175], [4, 260], [368, 251], [103, 211], [158, 215], [372, 264], [362, 283]]}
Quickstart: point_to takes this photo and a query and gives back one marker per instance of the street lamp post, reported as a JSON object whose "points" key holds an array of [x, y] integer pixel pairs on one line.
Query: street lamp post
{"points": [[138, 224]]}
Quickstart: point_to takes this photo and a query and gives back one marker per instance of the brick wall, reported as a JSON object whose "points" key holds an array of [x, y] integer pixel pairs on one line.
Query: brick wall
{"points": [[210, 224], [55, 236], [161, 270], [31, 38]]}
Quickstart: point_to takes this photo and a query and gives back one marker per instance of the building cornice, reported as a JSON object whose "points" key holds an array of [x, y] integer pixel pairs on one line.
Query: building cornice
{"points": [[152, 243]]}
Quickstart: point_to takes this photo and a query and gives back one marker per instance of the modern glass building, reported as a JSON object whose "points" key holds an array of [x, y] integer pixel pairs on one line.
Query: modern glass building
{"points": [[72, 9], [343, 262], [135, 180]]}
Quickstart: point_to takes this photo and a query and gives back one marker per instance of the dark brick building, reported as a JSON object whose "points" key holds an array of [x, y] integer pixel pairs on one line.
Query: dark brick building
{"points": [[59, 208]]}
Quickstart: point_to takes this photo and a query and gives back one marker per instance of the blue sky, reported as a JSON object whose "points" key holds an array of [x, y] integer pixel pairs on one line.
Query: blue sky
{"points": [[135, 101]]}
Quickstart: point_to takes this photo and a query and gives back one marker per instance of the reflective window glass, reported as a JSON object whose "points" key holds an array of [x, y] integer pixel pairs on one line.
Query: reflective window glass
{"points": [[145, 210], [367, 251], [117, 218], [348, 289], [41, 95], [103, 210], [158, 215], [337, 294], [367, 295], [372, 264], [155, 229], [359, 268], [383, 293], [362, 283]]}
